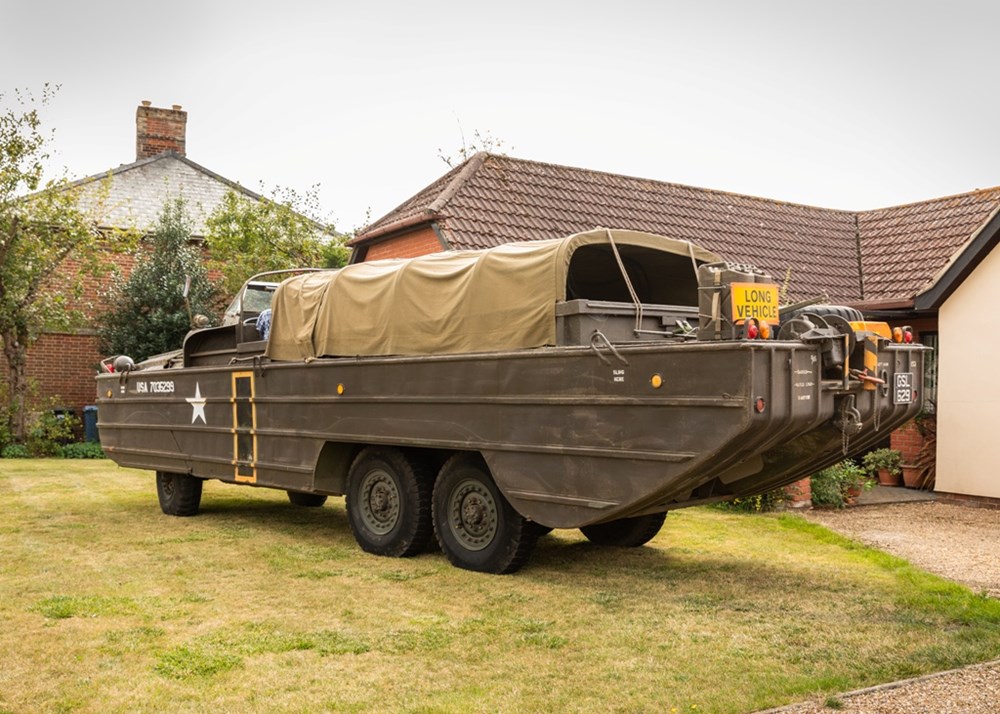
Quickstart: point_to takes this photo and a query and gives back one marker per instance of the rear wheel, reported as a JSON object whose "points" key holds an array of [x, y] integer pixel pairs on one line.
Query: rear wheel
{"points": [[475, 525], [309, 500], [179, 494], [626, 532], [389, 502]]}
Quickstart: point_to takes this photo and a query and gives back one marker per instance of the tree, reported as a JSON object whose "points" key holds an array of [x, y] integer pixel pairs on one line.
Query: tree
{"points": [[147, 314], [49, 245], [247, 236]]}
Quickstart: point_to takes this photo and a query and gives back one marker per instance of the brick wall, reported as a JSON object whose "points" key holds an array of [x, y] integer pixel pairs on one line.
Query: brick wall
{"points": [[908, 441], [408, 245], [64, 366]]}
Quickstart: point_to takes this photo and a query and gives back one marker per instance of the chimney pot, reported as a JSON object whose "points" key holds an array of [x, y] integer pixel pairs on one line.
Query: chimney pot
{"points": [[146, 102], [176, 107]]}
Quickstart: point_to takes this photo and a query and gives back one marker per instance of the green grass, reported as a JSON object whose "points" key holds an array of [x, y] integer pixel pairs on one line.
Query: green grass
{"points": [[106, 605]]}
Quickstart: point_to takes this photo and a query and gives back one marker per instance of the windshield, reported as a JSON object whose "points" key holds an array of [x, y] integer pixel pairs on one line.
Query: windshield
{"points": [[250, 302]]}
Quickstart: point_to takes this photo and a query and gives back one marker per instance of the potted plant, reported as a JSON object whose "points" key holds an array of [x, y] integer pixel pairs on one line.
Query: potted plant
{"points": [[839, 485], [885, 463]]}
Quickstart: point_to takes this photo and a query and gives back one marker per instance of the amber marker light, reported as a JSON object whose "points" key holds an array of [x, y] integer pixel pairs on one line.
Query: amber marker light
{"points": [[656, 380], [897, 334], [109, 394], [340, 389], [765, 331]]}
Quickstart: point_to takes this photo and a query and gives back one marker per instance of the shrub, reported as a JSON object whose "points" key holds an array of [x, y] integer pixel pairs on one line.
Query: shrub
{"points": [[830, 486], [49, 432], [83, 450], [15, 451], [760, 503]]}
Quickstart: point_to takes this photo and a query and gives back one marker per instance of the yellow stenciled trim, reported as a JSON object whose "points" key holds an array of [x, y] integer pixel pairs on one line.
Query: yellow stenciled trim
{"points": [[253, 428]]}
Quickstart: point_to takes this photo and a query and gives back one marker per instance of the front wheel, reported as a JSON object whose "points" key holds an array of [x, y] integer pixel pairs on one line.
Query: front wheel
{"points": [[179, 494], [389, 502], [626, 532], [475, 525]]}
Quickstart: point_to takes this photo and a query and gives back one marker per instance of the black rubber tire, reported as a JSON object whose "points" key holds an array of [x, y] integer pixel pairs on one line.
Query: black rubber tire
{"points": [[626, 532], [476, 526], [848, 313], [179, 494], [389, 502], [307, 500]]}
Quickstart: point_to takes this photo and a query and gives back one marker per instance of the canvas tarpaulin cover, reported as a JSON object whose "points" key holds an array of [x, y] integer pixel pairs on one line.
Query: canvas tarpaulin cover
{"points": [[469, 301]]}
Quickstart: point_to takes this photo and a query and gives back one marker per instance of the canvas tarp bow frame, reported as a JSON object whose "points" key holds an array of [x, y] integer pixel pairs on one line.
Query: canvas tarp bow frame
{"points": [[497, 299]]}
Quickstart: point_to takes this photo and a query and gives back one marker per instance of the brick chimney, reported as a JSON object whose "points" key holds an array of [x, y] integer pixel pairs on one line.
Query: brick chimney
{"points": [[158, 130]]}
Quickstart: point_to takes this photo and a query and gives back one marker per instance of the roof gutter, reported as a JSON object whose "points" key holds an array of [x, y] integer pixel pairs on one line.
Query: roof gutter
{"points": [[403, 224], [876, 305]]}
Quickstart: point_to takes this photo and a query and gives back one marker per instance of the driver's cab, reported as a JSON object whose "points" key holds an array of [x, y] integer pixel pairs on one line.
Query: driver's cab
{"points": [[244, 328], [245, 309]]}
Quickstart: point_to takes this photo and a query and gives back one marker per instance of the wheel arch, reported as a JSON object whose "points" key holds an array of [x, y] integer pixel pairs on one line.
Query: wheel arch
{"points": [[332, 464], [335, 459]]}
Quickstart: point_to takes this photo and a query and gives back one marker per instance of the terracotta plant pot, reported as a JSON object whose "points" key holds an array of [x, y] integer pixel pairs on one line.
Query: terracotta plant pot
{"points": [[852, 494], [887, 478], [911, 476]]}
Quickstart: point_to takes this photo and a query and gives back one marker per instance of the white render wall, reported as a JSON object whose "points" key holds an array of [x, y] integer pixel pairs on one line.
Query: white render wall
{"points": [[969, 385]]}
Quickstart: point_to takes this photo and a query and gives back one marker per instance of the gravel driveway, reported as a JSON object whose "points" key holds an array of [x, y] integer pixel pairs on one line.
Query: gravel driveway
{"points": [[960, 543]]}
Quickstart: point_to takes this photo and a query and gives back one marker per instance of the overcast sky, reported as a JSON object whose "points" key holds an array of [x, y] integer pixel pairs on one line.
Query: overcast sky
{"points": [[840, 104]]}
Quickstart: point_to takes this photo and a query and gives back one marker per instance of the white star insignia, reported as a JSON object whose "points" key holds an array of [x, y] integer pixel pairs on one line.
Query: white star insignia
{"points": [[198, 405]]}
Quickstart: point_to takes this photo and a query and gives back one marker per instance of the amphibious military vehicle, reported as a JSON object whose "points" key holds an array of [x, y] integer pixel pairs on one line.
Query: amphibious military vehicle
{"points": [[594, 382]]}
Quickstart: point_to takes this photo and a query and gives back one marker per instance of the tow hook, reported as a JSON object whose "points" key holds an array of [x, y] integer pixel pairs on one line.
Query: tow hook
{"points": [[848, 420]]}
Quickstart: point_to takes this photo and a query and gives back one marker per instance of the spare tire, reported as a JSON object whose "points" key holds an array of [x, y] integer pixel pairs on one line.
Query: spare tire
{"points": [[848, 313]]}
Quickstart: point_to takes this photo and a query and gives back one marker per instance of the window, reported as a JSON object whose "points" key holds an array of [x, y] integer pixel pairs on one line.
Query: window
{"points": [[930, 339]]}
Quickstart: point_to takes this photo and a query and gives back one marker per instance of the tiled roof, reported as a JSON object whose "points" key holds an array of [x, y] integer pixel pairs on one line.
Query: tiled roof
{"points": [[904, 247], [489, 200], [138, 191]]}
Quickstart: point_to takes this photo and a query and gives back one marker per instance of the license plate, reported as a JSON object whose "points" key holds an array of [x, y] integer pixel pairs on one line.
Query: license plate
{"points": [[903, 392], [756, 300]]}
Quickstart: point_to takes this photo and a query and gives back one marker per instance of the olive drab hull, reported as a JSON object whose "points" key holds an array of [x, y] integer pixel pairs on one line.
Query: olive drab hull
{"points": [[572, 436], [594, 382]]}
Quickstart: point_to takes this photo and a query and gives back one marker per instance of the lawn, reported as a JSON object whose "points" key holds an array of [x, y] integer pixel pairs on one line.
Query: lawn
{"points": [[106, 605]]}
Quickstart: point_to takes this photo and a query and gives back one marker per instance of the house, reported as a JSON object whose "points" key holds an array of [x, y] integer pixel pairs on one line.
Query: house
{"points": [[63, 364], [924, 264]]}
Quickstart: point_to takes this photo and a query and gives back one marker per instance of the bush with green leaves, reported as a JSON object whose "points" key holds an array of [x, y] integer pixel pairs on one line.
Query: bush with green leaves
{"points": [[50, 431], [831, 486], [760, 503], [147, 313], [6, 437], [83, 450], [15, 451]]}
